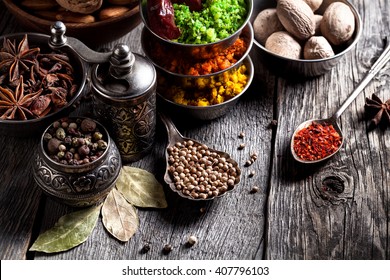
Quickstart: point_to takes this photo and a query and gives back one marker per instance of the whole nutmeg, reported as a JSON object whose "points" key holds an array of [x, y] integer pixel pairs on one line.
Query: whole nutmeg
{"points": [[88, 125], [283, 44], [338, 23], [317, 20], [297, 17], [314, 4], [317, 47], [266, 23]]}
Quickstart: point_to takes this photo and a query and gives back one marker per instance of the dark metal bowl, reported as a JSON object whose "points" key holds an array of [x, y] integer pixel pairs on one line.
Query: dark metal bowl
{"points": [[198, 51], [78, 185], [203, 112], [292, 68], [149, 44], [32, 127]]}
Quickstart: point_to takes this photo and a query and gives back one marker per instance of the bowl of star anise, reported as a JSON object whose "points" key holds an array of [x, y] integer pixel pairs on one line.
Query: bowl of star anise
{"points": [[37, 84]]}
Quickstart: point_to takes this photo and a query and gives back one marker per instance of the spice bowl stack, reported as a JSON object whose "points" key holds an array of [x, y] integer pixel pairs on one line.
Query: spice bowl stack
{"points": [[77, 162], [200, 76]]}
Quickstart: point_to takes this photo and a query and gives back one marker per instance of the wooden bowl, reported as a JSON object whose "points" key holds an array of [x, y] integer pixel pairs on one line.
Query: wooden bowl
{"points": [[92, 34]]}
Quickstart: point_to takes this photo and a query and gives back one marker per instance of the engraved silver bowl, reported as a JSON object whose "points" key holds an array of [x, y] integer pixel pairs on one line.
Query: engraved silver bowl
{"points": [[78, 185], [298, 68]]}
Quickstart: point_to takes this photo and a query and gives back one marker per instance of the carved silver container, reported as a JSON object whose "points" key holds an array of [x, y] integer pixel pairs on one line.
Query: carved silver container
{"points": [[124, 99], [123, 90], [78, 185]]}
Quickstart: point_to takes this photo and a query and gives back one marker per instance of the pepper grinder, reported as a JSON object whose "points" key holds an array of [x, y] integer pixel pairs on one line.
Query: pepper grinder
{"points": [[123, 88]]}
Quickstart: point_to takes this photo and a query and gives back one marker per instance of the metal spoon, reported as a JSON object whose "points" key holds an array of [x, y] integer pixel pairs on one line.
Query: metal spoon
{"points": [[381, 61], [174, 137]]}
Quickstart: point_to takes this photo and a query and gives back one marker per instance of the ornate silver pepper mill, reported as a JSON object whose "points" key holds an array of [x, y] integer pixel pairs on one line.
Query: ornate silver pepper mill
{"points": [[123, 92]]}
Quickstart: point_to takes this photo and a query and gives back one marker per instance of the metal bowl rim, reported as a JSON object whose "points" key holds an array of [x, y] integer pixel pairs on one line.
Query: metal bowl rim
{"points": [[70, 103], [129, 14], [247, 60], [247, 19], [249, 48], [357, 36], [75, 167]]}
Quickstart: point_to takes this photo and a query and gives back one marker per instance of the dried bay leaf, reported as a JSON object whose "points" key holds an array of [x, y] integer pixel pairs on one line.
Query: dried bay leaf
{"points": [[70, 231], [141, 188], [120, 218]]}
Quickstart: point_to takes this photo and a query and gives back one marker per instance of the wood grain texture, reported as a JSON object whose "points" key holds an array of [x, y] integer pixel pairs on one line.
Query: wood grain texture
{"points": [[231, 227], [291, 217], [304, 220], [19, 199]]}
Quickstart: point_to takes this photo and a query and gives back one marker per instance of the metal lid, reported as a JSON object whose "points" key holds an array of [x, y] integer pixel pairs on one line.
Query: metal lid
{"points": [[125, 76], [119, 75]]}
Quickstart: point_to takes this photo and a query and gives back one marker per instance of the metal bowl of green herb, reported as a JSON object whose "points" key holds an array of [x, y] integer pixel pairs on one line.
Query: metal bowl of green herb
{"points": [[37, 85], [200, 29]]}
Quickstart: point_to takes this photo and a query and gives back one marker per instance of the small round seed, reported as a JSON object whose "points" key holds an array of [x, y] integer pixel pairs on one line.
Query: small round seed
{"points": [[255, 189], [192, 240], [145, 248], [199, 172], [167, 249]]}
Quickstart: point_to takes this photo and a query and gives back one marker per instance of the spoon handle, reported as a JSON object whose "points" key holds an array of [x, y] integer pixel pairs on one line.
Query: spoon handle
{"points": [[378, 65], [173, 134]]}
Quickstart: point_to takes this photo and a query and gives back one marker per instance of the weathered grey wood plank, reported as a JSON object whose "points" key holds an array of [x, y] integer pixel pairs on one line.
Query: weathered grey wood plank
{"points": [[298, 220], [304, 220], [231, 228], [19, 199]]}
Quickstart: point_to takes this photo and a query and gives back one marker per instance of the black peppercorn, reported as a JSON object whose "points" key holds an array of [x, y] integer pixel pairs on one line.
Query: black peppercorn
{"points": [[167, 249], [145, 248], [67, 144]]}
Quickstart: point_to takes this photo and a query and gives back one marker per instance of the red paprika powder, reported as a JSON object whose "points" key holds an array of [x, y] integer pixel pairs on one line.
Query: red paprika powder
{"points": [[316, 141]]}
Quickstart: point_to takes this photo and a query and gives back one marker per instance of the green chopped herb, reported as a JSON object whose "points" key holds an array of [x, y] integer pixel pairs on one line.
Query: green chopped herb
{"points": [[217, 20]]}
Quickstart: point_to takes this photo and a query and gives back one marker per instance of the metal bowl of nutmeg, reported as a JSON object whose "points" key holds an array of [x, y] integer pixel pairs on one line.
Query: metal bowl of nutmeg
{"points": [[304, 38], [77, 162], [85, 20], [37, 84]]}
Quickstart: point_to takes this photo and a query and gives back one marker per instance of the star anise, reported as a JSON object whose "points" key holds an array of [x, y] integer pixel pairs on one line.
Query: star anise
{"points": [[15, 105], [15, 60], [378, 110]]}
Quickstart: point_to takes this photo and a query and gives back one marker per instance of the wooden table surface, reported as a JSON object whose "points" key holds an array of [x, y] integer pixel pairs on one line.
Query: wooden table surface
{"points": [[293, 216]]}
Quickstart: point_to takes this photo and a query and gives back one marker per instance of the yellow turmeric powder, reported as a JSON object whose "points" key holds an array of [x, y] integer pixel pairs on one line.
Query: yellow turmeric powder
{"points": [[205, 91]]}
